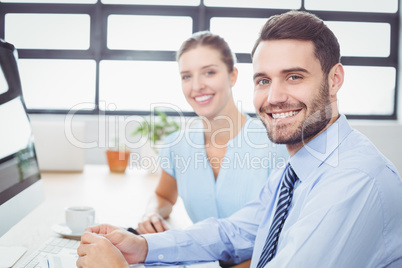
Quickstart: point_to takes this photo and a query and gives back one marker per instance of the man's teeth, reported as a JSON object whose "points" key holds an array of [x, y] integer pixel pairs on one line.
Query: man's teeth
{"points": [[203, 98], [284, 115]]}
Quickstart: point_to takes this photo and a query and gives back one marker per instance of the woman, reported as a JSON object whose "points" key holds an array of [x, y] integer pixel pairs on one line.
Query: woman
{"points": [[220, 163]]}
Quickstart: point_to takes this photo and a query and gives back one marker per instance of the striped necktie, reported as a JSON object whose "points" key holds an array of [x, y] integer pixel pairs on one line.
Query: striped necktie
{"points": [[285, 198]]}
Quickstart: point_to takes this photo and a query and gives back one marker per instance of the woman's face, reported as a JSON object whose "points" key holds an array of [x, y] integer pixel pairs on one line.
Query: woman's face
{"points": [[206, 81]]}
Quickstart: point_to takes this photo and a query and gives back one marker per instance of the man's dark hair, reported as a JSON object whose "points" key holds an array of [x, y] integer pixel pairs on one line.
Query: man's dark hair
{"points": [[300, 25]]}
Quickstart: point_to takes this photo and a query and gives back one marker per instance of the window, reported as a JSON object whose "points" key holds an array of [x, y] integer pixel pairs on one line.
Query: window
{"points": [[362, 39], [133, 87], [280, 4], [352, 100], [52, 1], [240, 33], [48, 31], [147, 32], [154, 2], [243, 91], [57, 84], [118, 56], [384, 6]]}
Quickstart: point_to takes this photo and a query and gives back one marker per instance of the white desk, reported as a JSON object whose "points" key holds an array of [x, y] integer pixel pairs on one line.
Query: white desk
{"points": [[119, 199]]}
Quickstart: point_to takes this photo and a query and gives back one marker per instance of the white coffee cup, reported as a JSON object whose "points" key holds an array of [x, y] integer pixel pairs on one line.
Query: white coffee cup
{"points": [[79, 217]]}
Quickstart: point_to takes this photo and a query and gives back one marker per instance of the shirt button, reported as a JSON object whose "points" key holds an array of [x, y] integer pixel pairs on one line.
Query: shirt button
{"points": [[161, 257]]}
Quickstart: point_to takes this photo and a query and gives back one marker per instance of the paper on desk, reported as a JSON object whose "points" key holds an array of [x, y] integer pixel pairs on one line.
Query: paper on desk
{"points": [[10, 255], [61, 261], [165, 265]]}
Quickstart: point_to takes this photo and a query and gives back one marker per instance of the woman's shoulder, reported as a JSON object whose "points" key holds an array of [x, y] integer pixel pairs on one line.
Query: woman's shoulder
{"points": [[253, 127], [184, 137]]}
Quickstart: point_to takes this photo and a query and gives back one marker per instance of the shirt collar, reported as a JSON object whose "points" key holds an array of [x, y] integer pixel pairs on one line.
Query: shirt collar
{"points": [[318, 150]]}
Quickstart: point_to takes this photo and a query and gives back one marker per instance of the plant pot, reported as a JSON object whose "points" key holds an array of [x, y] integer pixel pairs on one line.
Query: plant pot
{"points": [[117, 160]]}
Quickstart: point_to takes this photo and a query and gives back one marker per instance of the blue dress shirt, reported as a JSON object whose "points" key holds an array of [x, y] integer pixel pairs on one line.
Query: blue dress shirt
{"points": [[346, 212], [249, 159]]}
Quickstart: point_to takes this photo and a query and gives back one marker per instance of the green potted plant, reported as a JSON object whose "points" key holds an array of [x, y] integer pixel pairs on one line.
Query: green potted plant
{"points": [[154, 130]]}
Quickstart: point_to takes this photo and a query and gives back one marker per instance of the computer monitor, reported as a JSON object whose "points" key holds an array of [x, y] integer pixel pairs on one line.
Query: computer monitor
{"points": [[21, 187]]}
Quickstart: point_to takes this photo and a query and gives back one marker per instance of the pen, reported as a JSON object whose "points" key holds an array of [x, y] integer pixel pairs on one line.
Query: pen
{"points": [[130, 229]]}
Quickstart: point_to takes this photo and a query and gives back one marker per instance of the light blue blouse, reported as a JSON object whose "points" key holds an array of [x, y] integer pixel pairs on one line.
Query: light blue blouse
{"points": [[248, 161]]}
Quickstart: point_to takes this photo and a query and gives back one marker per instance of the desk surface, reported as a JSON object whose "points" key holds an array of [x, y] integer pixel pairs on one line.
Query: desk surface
{"points": [[119, 199]]}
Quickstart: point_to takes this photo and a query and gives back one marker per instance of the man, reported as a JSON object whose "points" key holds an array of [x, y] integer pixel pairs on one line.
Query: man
{"points": [[336, 204]]}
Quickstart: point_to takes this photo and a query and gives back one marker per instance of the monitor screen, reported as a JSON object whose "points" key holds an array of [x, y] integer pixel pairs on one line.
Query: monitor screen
{"points": [[20, 181], [18, 166]]}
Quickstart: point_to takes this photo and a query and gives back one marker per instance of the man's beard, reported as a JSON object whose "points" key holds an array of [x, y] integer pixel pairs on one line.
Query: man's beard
{"points": [[316, 120]]}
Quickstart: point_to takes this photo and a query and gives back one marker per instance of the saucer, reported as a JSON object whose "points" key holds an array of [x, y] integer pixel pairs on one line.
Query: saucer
{"points": [[63, 230]]}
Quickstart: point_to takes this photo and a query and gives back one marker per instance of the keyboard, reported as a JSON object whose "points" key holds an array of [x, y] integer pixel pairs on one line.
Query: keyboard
{"points": [[53, 246]]}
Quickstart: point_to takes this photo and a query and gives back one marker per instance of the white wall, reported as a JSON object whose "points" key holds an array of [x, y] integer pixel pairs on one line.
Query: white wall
{"points": [[386, 136]]}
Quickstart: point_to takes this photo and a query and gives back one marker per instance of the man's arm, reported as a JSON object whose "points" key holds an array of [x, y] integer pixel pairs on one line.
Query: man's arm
{"points": [[230, 240]]}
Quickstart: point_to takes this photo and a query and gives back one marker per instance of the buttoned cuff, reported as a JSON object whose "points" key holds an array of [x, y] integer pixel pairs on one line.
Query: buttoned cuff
{"points": [[160, 248]]}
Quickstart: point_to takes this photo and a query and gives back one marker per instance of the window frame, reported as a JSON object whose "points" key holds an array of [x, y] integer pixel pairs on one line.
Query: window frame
{"points": [[201, 16]]}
